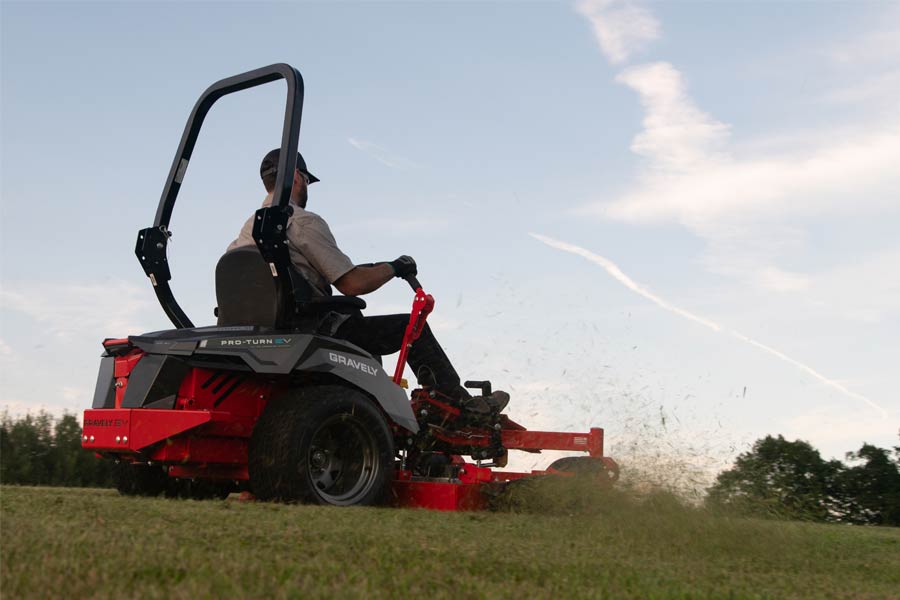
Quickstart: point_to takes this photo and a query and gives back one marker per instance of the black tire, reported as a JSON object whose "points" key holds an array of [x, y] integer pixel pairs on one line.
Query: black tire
{"points": [[585, 466], [326, 444], [433, 464], [140, 480]]}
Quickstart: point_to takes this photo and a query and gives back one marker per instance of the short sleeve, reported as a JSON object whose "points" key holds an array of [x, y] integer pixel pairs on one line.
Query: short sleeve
{"points": [[312, 237]]}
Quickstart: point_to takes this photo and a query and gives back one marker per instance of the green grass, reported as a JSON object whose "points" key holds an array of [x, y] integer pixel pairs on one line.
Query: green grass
{"points": [[93, 543]]}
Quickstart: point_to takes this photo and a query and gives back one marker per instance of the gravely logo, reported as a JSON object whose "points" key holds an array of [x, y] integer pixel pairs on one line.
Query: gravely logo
{"points": [[105, 422], [248, 342], [353, 364]]}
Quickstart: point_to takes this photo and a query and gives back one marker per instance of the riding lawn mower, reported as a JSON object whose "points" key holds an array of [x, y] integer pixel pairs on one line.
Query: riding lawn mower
{"points": [[263, 403]]}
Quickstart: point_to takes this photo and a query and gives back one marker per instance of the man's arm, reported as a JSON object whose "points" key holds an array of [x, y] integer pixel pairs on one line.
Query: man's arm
{"points": [[364, 279], [313, 239]]}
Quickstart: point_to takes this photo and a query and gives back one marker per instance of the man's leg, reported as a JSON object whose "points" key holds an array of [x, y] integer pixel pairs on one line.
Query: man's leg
{"points": [[432, 366], [384, 335]]}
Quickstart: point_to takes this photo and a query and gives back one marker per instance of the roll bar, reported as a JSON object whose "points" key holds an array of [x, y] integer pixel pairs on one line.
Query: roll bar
{"points": [[270, 224]]}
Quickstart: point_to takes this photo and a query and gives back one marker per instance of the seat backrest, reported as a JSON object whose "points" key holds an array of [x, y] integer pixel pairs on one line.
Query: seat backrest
{"points": [[246, 292]]}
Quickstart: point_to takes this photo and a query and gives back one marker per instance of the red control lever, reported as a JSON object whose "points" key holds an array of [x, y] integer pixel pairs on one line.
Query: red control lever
{"points": [[422, 306]]}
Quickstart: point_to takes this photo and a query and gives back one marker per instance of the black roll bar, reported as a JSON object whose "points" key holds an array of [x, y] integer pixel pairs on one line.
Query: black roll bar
{"points": [[270, 226]]}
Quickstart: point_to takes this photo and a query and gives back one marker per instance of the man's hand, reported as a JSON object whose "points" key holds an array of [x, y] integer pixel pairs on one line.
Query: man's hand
{"points": [[404, 266]]}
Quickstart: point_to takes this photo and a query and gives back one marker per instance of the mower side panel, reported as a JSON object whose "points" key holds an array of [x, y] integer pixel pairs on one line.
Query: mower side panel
{"points": [[264, 352], [280, 353], [154, 381], [105, 391], [273, 353]]}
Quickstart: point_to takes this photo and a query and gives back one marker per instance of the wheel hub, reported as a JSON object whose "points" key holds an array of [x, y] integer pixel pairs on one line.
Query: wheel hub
{"points": [[318, 459], [342, 461]]}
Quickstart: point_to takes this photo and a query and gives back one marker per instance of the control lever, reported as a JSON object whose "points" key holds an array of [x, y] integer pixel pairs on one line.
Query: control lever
{"points": [[422, 306], [413, 282]]}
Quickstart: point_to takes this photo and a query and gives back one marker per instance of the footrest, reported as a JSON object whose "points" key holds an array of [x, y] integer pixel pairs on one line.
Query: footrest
{"points": [[484, 386]]}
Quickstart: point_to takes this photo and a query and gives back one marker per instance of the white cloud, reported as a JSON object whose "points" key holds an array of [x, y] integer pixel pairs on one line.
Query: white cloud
{"points": [[779, 280], [748, 199], [742, 205], [69, 311], [622, 28], [677, 136], [840, 430], [382, 155], [5, 349], [691, 180]]}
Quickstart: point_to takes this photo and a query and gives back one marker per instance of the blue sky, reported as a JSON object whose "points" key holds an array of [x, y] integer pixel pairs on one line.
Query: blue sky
{"points": [[736, 162]]}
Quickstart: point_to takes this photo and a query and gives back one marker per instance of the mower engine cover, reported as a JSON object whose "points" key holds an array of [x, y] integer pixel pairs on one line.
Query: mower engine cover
{"points": [[262, 351]]}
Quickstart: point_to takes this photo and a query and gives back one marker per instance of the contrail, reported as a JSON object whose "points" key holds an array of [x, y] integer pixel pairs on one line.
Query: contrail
{"points": [[628, 282]]}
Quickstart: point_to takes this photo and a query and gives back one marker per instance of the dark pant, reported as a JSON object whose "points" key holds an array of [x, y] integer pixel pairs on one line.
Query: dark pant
{"points": [[384, 335]]}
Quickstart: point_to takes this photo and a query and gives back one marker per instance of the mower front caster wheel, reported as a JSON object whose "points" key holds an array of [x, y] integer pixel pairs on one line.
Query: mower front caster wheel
{"points": [[585, 466]]}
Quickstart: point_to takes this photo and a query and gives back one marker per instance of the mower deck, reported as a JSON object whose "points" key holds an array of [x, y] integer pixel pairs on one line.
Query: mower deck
{"points": [[212, 446]]}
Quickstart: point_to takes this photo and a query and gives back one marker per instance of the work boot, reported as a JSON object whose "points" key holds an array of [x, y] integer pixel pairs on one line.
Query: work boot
{"points": [[498, 401]]}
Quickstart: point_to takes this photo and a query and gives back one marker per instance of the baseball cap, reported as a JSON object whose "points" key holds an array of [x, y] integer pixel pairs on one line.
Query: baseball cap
{"points": [[269, 165]]}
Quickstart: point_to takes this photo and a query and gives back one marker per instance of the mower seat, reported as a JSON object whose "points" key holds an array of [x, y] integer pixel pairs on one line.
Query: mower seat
{"points": [[247, 294]]}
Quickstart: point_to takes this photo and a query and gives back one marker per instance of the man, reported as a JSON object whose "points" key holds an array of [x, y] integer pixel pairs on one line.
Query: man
{"points": [[315, 254]]}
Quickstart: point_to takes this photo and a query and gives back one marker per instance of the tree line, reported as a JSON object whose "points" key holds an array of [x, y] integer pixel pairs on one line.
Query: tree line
{"points": [[43, 450], [783, 478], [776, 478]]}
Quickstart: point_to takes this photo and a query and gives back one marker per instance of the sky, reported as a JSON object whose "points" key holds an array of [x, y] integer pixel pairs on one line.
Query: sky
{"points": [[676, 221]]}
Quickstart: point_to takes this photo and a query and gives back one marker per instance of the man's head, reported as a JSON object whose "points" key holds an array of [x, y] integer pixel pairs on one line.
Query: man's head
{"points": [[268, 170]]}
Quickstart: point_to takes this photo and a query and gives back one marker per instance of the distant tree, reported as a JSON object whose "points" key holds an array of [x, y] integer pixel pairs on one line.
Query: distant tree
{"points": [[67, 451], [39, 450], [869, 493], [7, 450], [29, 441], [780, 478]]}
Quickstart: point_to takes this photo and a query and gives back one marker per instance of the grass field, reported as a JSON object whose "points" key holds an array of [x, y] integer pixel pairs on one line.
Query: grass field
{"points": [[81, 543]]}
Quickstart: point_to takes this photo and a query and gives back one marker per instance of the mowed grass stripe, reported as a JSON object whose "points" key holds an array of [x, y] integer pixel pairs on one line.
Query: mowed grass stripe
{"points": [[60, 542]]}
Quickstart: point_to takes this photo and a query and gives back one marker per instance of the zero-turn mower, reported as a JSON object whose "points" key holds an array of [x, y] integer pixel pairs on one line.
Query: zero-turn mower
{"points": [[262, 403]]}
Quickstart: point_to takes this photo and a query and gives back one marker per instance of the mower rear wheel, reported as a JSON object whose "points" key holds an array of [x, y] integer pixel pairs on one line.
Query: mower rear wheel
{"points": [[325, 444]]}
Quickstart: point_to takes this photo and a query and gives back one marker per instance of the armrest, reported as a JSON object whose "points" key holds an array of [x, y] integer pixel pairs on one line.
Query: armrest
{"points": [[335, 303]]}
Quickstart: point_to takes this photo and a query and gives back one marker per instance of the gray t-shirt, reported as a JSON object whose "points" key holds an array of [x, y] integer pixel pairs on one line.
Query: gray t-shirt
{"points": [[313, 250]]}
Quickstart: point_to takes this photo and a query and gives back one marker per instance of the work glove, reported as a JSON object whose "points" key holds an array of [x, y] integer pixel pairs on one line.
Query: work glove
{"points": [[404, 266]]}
